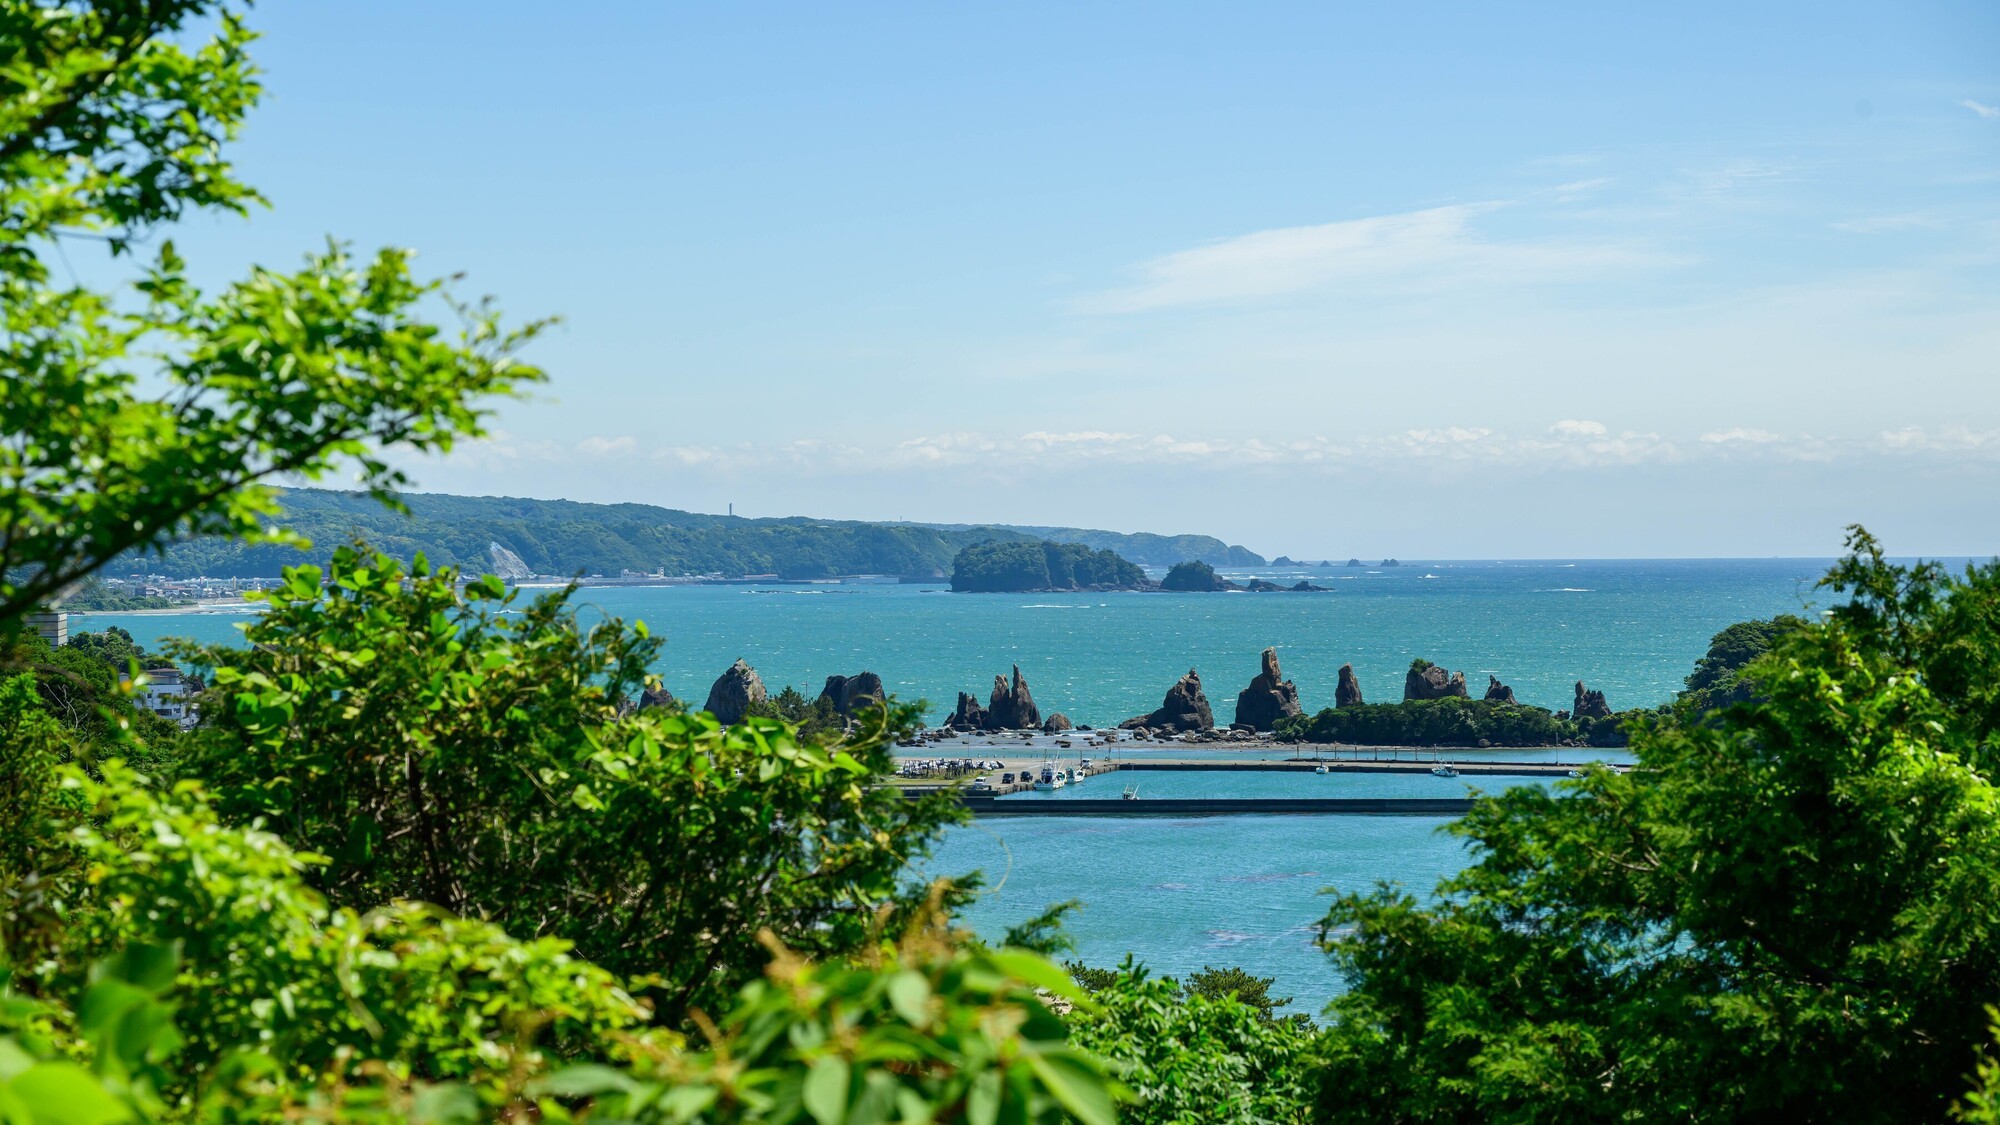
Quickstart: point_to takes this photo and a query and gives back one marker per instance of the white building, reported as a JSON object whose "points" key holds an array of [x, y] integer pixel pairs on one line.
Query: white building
{"points": [[52, 626], [168, 695]]}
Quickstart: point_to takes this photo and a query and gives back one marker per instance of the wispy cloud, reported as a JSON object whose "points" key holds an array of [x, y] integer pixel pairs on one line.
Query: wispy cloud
{"points": [[1883, 224], [1987, 111], [1567, 444], [1418, 250]]}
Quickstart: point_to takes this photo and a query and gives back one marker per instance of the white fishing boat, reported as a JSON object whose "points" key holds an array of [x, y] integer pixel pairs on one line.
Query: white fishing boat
{"points": [[1050, 780], [1132, 792], [1321, 768], [1444, 771], [1578, 774]]}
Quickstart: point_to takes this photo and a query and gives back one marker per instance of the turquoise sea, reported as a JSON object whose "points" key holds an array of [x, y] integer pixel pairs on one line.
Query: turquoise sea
{"points": [[1210, 891]]}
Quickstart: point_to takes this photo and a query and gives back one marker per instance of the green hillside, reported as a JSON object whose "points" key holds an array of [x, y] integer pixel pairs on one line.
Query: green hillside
{"points": [[1144, 547], [565, 537]]}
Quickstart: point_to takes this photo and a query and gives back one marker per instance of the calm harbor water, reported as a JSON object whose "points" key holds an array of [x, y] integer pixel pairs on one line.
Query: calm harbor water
{"points": [[1209, 891]]}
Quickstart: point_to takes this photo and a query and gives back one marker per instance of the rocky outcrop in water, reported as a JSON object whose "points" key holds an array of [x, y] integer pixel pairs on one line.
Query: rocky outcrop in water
{"points": [[1056, 724], [1348, 692], [969, 717], [1497, 692], [1589, 704], [1011, 707], [848, 693], [1430, 681], [1269, 697], [1306, 588], [734, 693], [656, 697], [1185, 709]]}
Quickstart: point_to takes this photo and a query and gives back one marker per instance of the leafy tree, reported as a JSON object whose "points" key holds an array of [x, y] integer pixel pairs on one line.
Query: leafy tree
{"points": [[1196, 1056], [1717, 679], [1789, 912], [110, 128], [1451, 721], [1255, 991], [813, 718], [441, 744]]}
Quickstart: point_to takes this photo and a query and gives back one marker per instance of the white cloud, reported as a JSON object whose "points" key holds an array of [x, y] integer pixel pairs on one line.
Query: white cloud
{"points": [[1423, 250], [1986, 111], [1579, 189], [1879, 224], [1568, 444], [607, 446], [1741, 434], [1574, 427]]}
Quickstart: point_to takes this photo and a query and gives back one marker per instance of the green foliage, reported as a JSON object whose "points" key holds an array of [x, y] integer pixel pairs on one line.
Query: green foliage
{"points": [[1790, 912], [1214, 984], [811, 719], [1196, 1056], [1193, 576], [1451, 721], [1718, 677], [1026, 567], [440, 743], [917, 1032], [86, 686], [134, 422]]}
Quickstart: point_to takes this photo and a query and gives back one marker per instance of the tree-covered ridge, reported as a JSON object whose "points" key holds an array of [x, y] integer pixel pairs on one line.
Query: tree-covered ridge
{"points": [[1142, 547], [564, 537], [1041, 567]]}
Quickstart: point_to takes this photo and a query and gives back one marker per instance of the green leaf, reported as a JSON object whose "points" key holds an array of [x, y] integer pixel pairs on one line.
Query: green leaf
{"points": [[825, 1092], [910, 994], [1084, 1092], [62, 1093]]}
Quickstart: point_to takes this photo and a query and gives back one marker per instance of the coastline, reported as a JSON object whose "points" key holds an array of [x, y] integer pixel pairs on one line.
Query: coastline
{"points": [[236, 607]]}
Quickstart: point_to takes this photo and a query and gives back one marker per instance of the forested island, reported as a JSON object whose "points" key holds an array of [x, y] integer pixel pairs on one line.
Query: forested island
{"points": [[1044, 567], [565, 538]]}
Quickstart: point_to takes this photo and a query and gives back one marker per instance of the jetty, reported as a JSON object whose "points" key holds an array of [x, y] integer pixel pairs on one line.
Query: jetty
{"points": [[1224, 806]]}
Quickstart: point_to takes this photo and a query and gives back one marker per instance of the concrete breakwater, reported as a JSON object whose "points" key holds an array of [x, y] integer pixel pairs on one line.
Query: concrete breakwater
{"points": [[1225, 806]]}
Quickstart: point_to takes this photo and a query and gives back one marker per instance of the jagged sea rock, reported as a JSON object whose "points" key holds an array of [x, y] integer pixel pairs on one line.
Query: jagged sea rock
{"points": [[1306, 588], [655, 697], [1354, 562], [734, 693], [1589, 704], [1497, 692], [847, 693], [1430, 681], [1056, 723], [1348, 692], [1269, 697], [1011, 706], [969, 717], [1185, 709]]}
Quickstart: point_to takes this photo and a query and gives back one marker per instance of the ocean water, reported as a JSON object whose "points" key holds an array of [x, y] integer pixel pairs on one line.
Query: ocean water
{"points": [[1629, 628], [1219, 891]]}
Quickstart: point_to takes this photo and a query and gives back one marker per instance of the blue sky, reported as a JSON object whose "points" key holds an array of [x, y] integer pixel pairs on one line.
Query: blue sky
{"points": [[1424, 280]]}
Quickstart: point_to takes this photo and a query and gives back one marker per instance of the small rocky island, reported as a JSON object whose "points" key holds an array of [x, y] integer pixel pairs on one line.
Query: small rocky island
{"points": [[1065, 568], [1200, 578], [1042, 568]]}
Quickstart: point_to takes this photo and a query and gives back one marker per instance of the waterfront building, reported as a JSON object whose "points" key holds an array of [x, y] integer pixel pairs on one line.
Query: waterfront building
{"points": [[52, 626]]}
